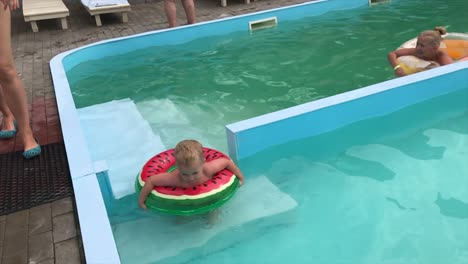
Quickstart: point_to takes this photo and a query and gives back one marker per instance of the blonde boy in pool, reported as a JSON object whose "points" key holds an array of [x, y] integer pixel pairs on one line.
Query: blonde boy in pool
{"points": [[191, 171]]}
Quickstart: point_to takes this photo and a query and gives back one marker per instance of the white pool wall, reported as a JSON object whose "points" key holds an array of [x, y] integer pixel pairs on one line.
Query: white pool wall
{"points": [[247, 137], [184, 34]]}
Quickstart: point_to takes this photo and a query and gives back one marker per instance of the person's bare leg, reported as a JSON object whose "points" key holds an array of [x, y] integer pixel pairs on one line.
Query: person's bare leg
{"points": [[189, 7], [170, 9], [8, 118], [13, 89]]}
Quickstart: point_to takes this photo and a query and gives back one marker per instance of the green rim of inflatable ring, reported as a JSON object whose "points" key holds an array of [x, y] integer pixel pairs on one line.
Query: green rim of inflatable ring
{"points": [[186, 207]]}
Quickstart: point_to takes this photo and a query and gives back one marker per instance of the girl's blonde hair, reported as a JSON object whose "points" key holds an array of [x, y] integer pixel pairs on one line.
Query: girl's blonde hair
{"points": [[188, 152], [435, 35]]}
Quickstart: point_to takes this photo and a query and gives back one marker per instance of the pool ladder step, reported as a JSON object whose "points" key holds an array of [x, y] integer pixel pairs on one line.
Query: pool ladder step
{"points": [[263, 23]]}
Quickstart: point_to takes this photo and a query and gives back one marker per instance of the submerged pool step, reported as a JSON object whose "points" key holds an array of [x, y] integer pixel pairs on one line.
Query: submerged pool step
{"points": [[120, 141], [248, 211]]}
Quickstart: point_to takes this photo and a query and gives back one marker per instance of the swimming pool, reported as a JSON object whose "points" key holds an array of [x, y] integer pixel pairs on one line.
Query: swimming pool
{"points": [[240, 75], [83, 167], [347, 194]]}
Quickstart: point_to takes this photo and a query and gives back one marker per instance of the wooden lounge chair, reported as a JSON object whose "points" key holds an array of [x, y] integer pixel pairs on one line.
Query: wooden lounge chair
{"points": [[96, 11], [34, 10]]}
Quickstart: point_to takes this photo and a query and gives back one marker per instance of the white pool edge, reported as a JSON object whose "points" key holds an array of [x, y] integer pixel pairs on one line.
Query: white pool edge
{"points": [[233, 130], [96, 233]]}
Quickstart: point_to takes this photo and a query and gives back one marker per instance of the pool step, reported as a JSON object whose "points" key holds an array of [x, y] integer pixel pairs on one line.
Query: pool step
{"points": [[248, 215], [120, 141]]}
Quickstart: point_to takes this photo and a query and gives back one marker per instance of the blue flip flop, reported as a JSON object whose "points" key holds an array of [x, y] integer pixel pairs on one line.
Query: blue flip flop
{"points": [[9, 133], [34, 152]]}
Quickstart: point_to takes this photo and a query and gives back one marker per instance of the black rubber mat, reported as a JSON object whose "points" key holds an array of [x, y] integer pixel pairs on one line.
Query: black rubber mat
{"points": [[28, 183]]}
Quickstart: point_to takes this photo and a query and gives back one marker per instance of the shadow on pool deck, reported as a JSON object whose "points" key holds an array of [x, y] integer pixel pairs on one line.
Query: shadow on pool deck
{"points": [[49, 233]]}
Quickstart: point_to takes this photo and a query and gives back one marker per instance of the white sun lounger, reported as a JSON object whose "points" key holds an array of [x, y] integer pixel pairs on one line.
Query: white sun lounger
{"points": [[34, 10], [97, 7], [224, 2]]}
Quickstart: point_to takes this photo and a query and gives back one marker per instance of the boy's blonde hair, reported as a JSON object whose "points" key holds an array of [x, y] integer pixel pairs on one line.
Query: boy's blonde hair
{"points": [[188, 152], [435, 35]]}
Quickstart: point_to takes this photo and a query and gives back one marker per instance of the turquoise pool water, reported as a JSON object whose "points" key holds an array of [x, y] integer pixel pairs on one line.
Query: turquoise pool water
{"points": [[396, 194], [211, 82]]}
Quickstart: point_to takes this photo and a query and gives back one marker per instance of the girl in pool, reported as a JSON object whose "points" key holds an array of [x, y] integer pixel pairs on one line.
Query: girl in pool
{"points": [[427, 49]]}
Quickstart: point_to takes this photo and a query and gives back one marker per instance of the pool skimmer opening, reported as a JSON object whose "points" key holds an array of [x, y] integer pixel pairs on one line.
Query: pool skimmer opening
{"points": [[375, 2], [263, 23]]}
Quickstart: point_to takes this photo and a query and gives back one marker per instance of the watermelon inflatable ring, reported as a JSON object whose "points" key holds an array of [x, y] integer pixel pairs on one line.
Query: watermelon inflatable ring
{"points": [[187, 201]]}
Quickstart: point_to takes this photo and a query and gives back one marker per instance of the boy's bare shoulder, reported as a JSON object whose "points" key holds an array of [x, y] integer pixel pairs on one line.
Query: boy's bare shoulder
{"points": [[216, 165]]}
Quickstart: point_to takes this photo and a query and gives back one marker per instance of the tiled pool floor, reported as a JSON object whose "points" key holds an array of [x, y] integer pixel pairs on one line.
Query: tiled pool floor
{"points": [[48, 233]]}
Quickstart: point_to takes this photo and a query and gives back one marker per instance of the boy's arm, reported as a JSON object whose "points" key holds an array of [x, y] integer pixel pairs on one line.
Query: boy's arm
{"points": [[233, 167], [144, 193], [217, 165], [155, 180]]}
